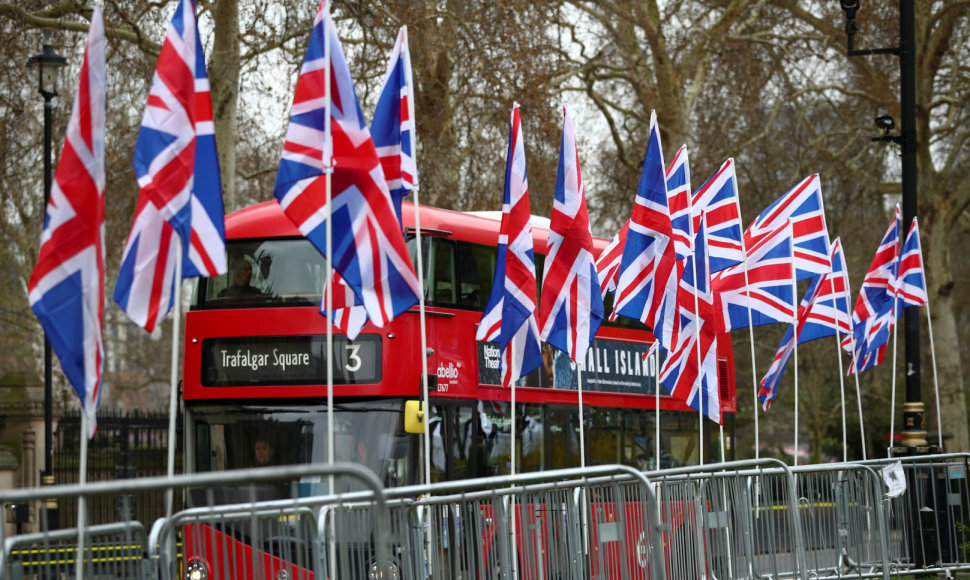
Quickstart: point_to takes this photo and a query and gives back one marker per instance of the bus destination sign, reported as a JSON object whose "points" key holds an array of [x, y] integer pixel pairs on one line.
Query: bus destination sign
{"points": [[289, 360]]}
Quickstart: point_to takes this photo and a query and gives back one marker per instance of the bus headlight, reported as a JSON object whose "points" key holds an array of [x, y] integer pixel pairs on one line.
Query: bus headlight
{"points": [[196, 570]]}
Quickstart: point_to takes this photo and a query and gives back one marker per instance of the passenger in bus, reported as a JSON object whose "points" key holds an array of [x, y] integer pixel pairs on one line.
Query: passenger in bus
{"points": [[241, 273], [264, 453]]}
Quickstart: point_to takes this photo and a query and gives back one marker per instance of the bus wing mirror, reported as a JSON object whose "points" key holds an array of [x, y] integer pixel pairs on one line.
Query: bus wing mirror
{"points": [[414, 416]]}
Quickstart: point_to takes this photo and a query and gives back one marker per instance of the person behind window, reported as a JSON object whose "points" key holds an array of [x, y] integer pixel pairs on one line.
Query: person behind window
{"points": [[264, 453], [240, 275]]}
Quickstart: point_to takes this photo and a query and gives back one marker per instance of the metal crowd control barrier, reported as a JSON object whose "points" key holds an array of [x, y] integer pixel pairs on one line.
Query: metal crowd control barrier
{"points": [[928, 526], [245, 536], [598, 522], [732, 520]]}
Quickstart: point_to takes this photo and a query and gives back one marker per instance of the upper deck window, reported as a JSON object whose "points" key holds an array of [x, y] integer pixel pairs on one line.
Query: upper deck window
{"points": [[267, 272]]}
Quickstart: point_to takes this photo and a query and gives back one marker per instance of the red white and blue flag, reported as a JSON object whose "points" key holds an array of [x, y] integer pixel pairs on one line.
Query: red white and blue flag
{"points": [[690, 370], [911, 281], [717, 199], [830, 314], [608, 262], [368, 247], [648, 253], [678, 202], [179, 204], [66, 288], [802, 205], [572, 307], [768, 289], [392, 127], [873, 315], [510, 315], [769, 383]]}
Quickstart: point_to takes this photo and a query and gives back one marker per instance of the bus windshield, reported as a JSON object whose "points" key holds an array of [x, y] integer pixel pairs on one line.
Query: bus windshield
{"points": [[366, 432], [268, 271]]}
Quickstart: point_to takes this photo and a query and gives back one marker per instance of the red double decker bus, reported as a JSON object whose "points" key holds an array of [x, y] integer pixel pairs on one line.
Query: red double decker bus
{"points": [[255, 369]]}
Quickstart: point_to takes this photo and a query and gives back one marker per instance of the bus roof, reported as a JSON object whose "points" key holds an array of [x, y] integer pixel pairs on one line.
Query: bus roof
{"points": [[267, 220]]}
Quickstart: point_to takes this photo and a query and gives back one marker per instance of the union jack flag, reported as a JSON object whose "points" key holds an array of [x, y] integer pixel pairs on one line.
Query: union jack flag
{"points": [[768, 287], [769, 383], [572, 307], [510, 315], [648, 254], [608, 263], [180, 198], [66, 288], [368, 248], [873, 316], [690, 370], [717, 199], [830, 313], [678, 202], [393, 125], [911, 283], [349, 316], [802, 205]]}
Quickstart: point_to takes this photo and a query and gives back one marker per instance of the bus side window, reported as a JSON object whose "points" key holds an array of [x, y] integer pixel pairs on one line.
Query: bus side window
{"points": [[444, 273], [476, 268]]}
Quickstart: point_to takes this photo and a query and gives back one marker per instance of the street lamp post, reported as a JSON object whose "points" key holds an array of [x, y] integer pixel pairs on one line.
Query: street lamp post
{"points": [[914, 436], [48, 64]]}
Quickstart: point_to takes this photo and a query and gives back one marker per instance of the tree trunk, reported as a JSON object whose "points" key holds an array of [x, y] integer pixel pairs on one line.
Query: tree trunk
{"points": [[224, 82]]}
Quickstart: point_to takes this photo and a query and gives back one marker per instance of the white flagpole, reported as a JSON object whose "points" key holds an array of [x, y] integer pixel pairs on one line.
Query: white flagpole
{"points": [[656, 392], [173, 403], [582, 421], [420, 263], [794, 303], [855, 368], [936, 381], [699, 380], [892, 405], [838, 352], [81, 502], [328, 283]]}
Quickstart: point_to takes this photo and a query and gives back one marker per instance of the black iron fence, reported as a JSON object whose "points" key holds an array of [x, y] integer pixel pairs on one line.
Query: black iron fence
{"points": [[126, 445]]}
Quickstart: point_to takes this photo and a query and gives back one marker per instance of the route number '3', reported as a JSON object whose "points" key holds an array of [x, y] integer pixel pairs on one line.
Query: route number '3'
{"points": [[354, 362]]}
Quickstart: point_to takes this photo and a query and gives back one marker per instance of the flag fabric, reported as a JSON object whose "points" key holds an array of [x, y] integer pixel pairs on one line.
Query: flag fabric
{"points": [[769, 383], [572, 307], [717, 199], [678, 202], [769, 285], [349, 316], [66, 288], [510, 315], [911, 282], [368, 247], [695, 384], [392, 127], [179, 203], [830, 313], [802, 205], [608, 262], [648, 254], [873, 316]]}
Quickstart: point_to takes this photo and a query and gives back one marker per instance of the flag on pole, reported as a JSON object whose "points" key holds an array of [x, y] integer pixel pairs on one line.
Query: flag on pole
{"points": [[717, 199], [392, 127], [696, 336], [911, 283], [872, 317], [648, 254], [66, 288], [510, 315], [830, 313], [369, 250], [768, 289], [678, 202], [572, 307], [803, 206], [180, 198], [608, 262], [769, 383]]}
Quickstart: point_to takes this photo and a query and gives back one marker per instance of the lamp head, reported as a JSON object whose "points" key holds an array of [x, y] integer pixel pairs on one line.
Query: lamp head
{"points": [[49, 64], [850, 7], [886, 123]]}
